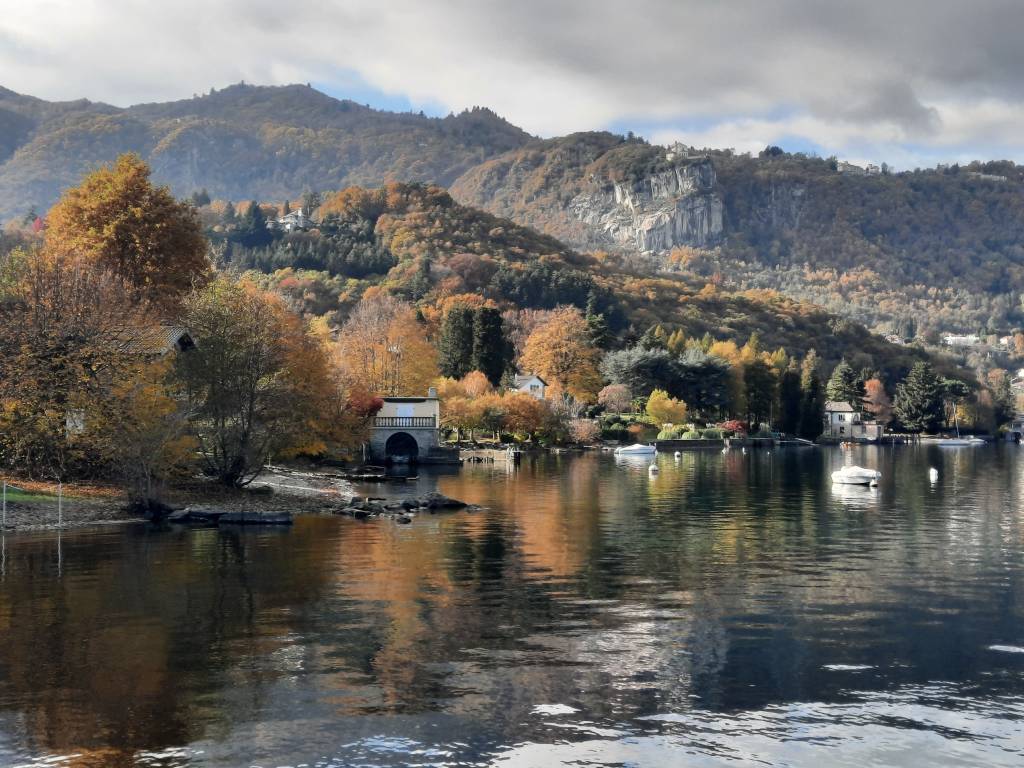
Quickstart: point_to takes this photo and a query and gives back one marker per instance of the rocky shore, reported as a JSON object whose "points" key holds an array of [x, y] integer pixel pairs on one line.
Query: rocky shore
{"points": [[278, 495]]}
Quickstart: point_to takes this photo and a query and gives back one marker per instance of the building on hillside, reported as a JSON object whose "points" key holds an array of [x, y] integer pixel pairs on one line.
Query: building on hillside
{"points": [[531, 384], [159, 341], [961, 340], [292, 222], [407, 430], [844, 422], [895, 338]]}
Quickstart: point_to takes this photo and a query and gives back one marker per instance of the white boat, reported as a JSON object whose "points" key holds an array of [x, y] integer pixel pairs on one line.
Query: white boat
{"points": [[856, 476], [953, 442], [637, 449]]}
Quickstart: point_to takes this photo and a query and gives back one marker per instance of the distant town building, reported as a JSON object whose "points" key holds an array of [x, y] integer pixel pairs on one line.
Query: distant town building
{"points": [[291, 222], [961, 340], [894, 338], [986, 176], [844, 422], [532, 385]]}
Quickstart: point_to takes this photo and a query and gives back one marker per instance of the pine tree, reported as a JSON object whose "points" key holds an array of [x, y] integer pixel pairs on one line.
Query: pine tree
{"points": [[789, 400], [600, 334], [286, 208], [490, 348], [812, 401], [845, 386], [230, 216], [455, 345], [918, 405], [759, 391]]}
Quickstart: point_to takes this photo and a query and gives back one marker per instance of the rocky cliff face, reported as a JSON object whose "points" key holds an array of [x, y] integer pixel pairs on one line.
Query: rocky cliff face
{"points": [[666, 209]]}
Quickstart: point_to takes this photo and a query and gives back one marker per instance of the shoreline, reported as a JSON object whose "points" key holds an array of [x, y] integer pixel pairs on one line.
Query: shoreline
{"points": [[295, 489]]}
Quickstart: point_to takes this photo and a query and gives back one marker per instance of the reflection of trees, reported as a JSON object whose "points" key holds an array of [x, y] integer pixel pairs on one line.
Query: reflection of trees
{"points": [[130, 649], [727, 581]]}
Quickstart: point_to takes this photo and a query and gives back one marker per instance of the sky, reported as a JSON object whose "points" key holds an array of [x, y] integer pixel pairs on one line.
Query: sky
{"points": [[908, 82]]}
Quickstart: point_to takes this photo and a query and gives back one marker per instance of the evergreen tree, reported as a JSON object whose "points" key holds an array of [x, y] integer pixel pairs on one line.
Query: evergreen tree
{"points": [[490, 348], [252, 229], [759, 391], [201, 198], [918, 405], [455, 345], [845, 386], [286, 208], [812, 398], [789, 400], [230, 216], [600, 334]]}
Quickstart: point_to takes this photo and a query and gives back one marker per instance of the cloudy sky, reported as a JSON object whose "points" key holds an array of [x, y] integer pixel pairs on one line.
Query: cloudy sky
{"points": [[911, 82]]}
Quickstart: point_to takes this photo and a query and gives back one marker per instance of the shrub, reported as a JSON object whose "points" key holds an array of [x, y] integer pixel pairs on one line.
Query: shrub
{"points": [[669, 433], [615, 433], [712, 434], [691, 435]]}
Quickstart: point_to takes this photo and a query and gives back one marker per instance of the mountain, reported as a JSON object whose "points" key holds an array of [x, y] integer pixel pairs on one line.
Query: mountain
{"points": [[241, 142], [916, 252], [943, 248]]}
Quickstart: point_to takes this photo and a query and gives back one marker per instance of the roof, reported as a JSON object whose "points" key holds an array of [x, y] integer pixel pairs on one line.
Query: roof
{"points": [[407, 399], [520, 379], [157, 340], [838, 406]]}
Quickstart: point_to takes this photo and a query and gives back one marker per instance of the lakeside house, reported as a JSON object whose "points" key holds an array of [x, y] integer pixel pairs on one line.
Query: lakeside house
{"points": [[844, 422], [407, 430], [531, 384], [159, 341]]}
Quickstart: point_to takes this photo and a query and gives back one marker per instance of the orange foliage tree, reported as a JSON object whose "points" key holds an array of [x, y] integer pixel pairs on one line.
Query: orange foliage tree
{"points": [[559, 351], [383, 349], [119, 219]]}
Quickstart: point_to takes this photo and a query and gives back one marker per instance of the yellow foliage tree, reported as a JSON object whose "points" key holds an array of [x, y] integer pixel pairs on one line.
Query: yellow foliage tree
{"points": [[558, 350], [665, 409]]}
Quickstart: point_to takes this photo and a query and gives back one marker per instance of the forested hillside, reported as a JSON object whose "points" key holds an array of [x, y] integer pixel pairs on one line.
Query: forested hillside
{"points": [[916, 253], [239, 142], [943, 246], [416, 242]]}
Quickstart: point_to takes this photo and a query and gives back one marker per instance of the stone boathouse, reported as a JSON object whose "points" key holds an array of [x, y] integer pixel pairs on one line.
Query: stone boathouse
{"points": [[408, 430]]}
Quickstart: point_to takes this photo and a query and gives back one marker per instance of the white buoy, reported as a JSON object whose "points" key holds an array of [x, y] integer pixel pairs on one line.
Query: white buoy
{"points": [[653, 469], [677, 455], [933, 474], [726, 449], [744, 451]]}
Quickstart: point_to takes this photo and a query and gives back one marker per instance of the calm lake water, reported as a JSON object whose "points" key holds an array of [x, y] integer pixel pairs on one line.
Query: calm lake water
{"points": [[735, 609]]}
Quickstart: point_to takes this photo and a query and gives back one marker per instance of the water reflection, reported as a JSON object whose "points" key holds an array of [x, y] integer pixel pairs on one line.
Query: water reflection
{"points": [[732, 606]]}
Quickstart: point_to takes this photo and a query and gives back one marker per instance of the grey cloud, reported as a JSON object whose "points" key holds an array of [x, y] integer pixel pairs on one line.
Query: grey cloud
{"points": [[555, 66]]}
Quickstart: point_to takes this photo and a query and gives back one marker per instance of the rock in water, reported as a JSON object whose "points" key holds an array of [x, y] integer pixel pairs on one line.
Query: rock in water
{"points": [[256, 518]]}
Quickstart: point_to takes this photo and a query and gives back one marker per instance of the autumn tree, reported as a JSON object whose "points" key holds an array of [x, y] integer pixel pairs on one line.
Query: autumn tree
{"points": [[616, 398], [117, 218], [559, 351], [258, 385], [66, 331], [877, 401], [664, 409], [384, 348]]}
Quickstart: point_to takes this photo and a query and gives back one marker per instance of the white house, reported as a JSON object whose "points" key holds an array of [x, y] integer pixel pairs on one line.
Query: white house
{"points": [[844, 422], [531, 384], [961, 340], [290, 222]]}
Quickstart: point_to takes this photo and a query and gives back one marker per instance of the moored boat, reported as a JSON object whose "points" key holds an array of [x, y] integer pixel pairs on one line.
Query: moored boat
{"points": [[637, 449], [856, 476]]}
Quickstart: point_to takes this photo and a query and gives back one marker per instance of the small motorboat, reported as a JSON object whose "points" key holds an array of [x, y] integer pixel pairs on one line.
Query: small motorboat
{"points": [[637, 449], [856, 476]]}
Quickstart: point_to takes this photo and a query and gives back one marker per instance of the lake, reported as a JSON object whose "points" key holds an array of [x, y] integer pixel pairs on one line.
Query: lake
{"points": [[734, 609]]}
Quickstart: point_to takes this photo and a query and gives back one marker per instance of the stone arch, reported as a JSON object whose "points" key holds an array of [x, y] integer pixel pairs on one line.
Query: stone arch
{"points": [[402, 445]]}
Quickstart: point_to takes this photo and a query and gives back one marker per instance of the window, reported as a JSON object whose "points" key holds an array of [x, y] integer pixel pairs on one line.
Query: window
{"points": [[840, 417], [535, 387]]}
